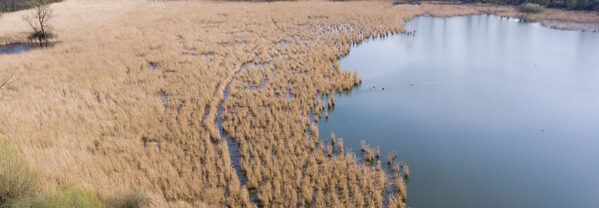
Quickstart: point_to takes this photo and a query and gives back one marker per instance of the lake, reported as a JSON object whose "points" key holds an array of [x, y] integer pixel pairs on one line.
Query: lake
{"points": [[486, 111]]}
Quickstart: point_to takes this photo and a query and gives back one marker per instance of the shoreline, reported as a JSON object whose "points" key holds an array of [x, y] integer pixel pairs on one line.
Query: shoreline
{"points": [[102, 117], [585, 21]]}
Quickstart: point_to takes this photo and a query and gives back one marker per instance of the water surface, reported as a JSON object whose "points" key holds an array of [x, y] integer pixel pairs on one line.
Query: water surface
{"points": [[488, 112], [17, 48]]}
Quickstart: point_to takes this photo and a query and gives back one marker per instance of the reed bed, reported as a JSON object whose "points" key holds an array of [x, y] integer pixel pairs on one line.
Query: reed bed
{"points": [[128, 99]]}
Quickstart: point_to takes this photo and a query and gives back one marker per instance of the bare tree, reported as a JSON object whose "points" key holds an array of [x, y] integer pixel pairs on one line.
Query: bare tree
{"points": [[38, 20], [6, 79]]}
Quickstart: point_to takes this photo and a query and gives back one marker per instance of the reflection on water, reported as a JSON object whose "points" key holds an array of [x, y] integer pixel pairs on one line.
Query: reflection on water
{"points": [[487, 112]]}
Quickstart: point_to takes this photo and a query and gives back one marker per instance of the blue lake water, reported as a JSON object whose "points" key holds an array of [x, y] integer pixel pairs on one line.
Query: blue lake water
{"points": [[486, 111]]}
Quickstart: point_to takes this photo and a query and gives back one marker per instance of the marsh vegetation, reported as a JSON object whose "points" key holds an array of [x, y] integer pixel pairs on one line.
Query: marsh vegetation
{"points": [[17, 180], [7, 78], [139, 97], [561, 4], [531, 8], [20, 188]]}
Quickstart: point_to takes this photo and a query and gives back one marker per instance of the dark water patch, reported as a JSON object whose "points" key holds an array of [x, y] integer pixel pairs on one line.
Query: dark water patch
{"points": [[488, 112], [190, 52], [206, 111], [220, 110], [283, 43], [18, 48], [233, 146], [263, 84], [246, 66], [288, 93], [153, 67], [164, 99], [147, 143]]}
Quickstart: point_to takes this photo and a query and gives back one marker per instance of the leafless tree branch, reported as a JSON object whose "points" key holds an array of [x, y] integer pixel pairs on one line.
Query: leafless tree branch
{"points": [[38, 20], [6, 79]]}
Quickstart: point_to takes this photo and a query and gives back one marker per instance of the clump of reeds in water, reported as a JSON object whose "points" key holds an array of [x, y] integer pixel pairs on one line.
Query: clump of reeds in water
{"points": [[337, 145], [370, 153], [331, 102], [400, 177], [340, 145], [391, 157], [367, 151], [406, 171]]}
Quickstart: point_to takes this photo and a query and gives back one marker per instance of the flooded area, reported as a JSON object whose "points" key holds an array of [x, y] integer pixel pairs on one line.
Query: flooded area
{"points": [[17, 48], [486, 111]]}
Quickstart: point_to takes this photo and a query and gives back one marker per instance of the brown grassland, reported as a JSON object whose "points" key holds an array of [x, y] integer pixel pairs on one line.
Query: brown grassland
{"points": [[129, 99]]}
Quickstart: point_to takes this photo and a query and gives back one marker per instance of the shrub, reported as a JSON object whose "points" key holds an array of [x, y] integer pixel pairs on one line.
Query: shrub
{"points": [[17, 180], [133, 199], [539, 2], [68, 197], [531, 8], [39, 35], [18, 185]]}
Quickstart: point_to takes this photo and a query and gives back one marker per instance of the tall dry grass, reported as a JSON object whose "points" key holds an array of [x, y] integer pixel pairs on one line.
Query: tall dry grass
{"points": [[129, 98]]}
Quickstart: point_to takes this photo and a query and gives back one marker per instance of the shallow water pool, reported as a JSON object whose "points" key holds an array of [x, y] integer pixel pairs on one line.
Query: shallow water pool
{"points": [[17, 48]]}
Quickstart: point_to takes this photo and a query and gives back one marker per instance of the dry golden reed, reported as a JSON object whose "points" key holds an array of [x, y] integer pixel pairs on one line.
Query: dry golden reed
{"points": [[130, 96]]}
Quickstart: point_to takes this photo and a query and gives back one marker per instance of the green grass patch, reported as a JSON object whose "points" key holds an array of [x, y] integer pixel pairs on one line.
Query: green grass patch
{"points": [[67, 197], [17, 180], [19, 188]]}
